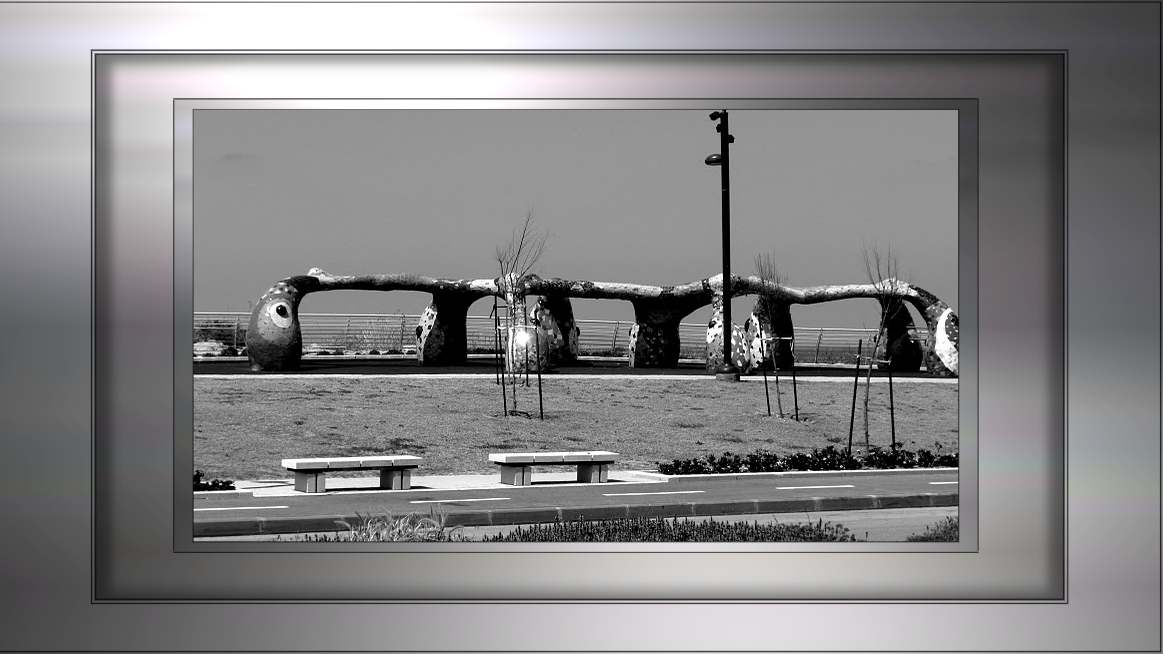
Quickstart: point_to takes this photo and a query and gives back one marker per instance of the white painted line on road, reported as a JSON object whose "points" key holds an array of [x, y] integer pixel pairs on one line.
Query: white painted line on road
{"points": [[241, 508], [934, 483], [657, 493], [799, 487], [467, 499]]}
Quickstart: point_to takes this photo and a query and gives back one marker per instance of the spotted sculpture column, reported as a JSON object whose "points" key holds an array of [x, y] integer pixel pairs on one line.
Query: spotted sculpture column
{"points": [[654, 340], [769, 318], [943, 342], [523, 340], [901, 347], [739, 343], [442, 335], [553, 315], [274, 339]]}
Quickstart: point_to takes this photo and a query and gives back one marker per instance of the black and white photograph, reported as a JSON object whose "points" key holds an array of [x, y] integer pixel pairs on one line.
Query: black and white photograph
{"points": [[580, 326], [711, 324]]}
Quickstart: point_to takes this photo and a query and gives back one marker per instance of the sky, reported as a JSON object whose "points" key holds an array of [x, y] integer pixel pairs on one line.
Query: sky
{"points": [[623, 195]]}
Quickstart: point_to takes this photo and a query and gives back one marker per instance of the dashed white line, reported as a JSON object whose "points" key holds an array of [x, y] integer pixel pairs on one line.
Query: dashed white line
{"points": [[935, 483], [799, 487], [656, 493], [241, 508], [463, 499]]}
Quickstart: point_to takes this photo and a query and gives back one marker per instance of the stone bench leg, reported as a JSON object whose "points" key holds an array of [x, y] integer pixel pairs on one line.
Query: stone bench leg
{"points": [[310, 481], [593, 473], [517, 475], [396, 478]]}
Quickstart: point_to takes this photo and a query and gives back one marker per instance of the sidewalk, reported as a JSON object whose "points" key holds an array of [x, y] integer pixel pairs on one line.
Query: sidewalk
{"points": [[351, 485]]}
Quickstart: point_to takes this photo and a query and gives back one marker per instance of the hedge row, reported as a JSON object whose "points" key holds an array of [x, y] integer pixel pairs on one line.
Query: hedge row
{"points": [[828, 458]]}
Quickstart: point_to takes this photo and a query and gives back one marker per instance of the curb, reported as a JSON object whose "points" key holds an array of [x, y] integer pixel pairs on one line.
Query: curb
{"points": [[484, 518]]}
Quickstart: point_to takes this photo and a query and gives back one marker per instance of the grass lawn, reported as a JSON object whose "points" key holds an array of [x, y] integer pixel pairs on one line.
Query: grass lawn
{"points": [[243, 426]]}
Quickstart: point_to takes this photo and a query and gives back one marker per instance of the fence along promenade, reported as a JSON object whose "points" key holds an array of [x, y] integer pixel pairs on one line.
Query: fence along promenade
{"points": [[395, 333]]}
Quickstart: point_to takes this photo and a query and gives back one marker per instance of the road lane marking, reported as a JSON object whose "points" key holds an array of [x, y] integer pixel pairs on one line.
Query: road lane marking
{"points": [[656, 493], [799, 487], [934, 483], [241, 508], [466, 499]]}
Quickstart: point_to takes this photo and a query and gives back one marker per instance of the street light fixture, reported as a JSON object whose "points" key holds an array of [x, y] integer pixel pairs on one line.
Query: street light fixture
{"points": [[722, 159]]}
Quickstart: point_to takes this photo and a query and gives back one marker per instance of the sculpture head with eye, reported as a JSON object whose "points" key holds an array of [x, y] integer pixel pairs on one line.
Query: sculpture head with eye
{"points": [[273, 338]]}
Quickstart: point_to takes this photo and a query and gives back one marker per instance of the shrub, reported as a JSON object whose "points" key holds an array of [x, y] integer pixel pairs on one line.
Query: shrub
{"points": [[656, 530], [829, 458], [211, 485], [945, 531]]}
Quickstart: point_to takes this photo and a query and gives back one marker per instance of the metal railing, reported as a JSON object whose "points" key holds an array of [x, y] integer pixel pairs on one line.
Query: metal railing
{"points": [[377, 333]]}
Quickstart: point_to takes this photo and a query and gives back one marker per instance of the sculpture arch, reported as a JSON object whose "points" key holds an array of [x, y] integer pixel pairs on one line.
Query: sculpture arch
{"points": [[274, 339]]}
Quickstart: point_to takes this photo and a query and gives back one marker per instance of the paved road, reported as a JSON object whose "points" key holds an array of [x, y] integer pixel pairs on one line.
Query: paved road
{"points": [[546, 502], [329, 365]]}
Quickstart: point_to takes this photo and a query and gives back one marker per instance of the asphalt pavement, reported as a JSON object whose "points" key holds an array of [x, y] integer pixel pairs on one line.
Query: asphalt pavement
{"points": [[275, 507]]}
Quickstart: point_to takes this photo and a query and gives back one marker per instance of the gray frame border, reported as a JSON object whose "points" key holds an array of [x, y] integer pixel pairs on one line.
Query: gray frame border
{"points": [[146, 82], [1113, 171]]}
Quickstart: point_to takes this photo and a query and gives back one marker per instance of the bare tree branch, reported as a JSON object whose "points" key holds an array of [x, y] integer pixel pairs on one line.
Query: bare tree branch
{"points": [[523, 251]]}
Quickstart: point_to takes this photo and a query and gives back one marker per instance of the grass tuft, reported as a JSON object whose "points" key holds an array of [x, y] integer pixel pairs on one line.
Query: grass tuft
{"points": [[386, 528], [945, 531]]}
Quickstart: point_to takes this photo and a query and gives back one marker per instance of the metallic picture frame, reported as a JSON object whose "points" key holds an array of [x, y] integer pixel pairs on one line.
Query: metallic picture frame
{"points": [[80, 397]]}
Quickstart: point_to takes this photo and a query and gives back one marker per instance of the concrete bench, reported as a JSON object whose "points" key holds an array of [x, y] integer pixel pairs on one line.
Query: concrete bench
{"points": [[517, 467], [395, 471]]}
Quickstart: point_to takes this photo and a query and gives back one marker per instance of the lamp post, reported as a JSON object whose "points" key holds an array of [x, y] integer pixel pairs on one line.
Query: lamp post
{"points": [[728, 371]]}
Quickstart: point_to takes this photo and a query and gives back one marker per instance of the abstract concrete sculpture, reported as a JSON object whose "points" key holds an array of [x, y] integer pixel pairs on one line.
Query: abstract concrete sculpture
{"points": [[274, 340]]}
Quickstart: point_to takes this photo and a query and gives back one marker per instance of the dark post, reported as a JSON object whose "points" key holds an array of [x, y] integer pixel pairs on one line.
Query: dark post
{"points": [[504, 365], [723, 159], [795, 397], [856, 385], [763, 367], [891, 409], [540, 402], [778, 392], [496, 342]]}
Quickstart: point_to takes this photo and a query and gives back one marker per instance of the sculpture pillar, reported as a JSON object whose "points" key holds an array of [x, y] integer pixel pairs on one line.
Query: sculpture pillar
{"points": [[554, 317], [442, 336], [943, 342], [274, 340], [654, 344], [739, 354], [654, 340], [901, 346], [523, 339], [769, 318]]}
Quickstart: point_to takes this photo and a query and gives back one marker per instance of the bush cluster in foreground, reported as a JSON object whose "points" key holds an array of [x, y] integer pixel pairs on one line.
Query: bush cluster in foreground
{"points": [[829, 458], [200, 484]]}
